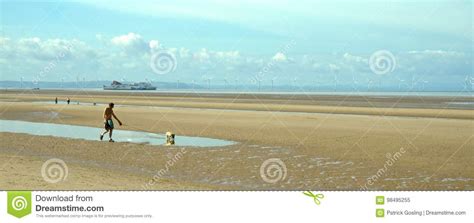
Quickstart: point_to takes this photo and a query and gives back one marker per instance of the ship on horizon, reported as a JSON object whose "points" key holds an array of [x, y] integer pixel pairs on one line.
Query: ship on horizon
{"points": [[134, 86]]}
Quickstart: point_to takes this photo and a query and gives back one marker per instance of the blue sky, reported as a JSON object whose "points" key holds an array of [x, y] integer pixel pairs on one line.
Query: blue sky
{"points": [[310, 42]]}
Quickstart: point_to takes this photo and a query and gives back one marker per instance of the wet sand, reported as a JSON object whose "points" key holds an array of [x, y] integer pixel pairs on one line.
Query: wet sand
{"points": [[325, 142]]}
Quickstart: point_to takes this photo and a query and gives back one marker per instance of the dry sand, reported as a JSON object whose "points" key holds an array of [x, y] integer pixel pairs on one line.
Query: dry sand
{"points": [[327, 143]]}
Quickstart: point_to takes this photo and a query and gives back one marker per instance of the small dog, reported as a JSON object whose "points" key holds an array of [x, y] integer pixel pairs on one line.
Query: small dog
{"points": [[169, 138]]}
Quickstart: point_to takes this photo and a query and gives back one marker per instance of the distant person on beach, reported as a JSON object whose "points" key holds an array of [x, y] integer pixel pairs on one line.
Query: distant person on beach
{"points": [[68, 100], [56, 100], [108, 123]]}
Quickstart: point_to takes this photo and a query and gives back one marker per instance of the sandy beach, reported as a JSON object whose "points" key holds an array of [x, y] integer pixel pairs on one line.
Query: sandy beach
{"points": [[325, 142]]}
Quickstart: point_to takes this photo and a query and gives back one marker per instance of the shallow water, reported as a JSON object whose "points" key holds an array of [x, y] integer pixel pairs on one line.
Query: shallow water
{"points": [[91, 133], [449, 103], [65, 103]]}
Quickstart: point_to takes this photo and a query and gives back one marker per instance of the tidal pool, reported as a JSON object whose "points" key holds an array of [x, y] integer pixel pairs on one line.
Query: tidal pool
{"points": [[91, 133]]}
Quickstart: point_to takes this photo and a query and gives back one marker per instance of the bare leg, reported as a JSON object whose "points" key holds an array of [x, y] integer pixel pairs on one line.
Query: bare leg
{"points": [[110, 133], [102, 134]]}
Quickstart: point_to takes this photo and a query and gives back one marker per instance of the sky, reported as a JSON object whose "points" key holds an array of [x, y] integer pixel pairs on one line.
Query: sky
{"points": [[398, 44]]}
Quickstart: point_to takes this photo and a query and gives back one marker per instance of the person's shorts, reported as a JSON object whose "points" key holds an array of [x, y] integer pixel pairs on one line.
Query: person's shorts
{"points": [[109, 124]]}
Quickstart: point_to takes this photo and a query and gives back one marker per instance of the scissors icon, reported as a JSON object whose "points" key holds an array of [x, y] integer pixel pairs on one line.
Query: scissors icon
{"points": [[316, 197]]}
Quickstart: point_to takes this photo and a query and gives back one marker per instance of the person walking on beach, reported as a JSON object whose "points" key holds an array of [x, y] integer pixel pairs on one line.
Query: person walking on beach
{"points": [[56, 100], [108, 123], [68, 100]]}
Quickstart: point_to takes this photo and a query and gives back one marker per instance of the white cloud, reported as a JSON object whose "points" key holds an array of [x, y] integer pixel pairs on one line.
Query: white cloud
{"points": [[71, 57], [228, 54], [184, 53], [279, 57], [436, 53], [202, 55], [130, 42], [154, 45], [354, 58], [4, 40], [49, 49], [334, 68], [125, 40]]}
